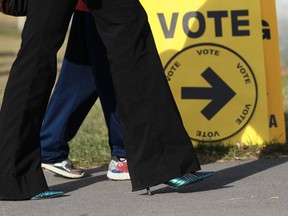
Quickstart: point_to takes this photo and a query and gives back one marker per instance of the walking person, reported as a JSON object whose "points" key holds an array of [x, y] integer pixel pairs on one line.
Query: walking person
{"points": [[84, 77]]}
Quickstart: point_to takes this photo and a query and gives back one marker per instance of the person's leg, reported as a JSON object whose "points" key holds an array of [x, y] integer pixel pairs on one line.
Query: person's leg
{"points": [[72, 99], [68, 96], [157, 145], [26, 96], [118, 169], [74, 95], [75, 89]]}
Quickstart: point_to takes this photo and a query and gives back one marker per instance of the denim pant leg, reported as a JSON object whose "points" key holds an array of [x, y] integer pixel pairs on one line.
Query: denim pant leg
{"points": [[76, 92], [99, 63], [74, 88]]}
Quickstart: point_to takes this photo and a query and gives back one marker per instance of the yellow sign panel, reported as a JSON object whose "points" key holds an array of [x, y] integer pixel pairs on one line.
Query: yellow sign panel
{"points": [[277, 131], [212, 53]]}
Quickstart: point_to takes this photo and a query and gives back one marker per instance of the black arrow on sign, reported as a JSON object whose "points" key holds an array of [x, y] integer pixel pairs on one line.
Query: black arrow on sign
{"points": [[219, 93]]}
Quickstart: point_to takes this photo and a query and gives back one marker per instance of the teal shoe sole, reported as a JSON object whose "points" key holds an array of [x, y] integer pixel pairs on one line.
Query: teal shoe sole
{"points": [[188, 179], [47, 195]]}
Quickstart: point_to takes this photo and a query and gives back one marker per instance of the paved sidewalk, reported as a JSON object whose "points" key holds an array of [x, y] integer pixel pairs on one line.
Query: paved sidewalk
{"points": [[250, 188]]}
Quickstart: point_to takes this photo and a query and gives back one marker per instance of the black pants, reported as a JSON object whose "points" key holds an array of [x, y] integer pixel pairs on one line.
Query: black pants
{"points": [[26, 96], [157, 145]]}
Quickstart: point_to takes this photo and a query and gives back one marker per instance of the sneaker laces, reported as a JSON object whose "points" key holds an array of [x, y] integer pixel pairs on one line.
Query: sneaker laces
{"points": [[66, 165]]}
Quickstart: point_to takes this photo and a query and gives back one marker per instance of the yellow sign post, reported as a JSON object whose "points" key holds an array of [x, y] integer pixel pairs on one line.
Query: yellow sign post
{"points": [[213, 56]]}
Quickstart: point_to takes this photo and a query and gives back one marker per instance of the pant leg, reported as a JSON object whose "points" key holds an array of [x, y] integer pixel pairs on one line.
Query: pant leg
{"points": [[100, 65], [76, 92], [157, 145], [26, 96], [74, 95]]}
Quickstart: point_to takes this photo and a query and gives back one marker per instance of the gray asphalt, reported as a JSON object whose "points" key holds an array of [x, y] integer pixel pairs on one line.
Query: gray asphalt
{"points": [[254, 187]]}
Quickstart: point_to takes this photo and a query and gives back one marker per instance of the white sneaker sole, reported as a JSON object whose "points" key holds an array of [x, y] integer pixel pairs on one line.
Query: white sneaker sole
{"points": [[117, 176], [61, 172]]}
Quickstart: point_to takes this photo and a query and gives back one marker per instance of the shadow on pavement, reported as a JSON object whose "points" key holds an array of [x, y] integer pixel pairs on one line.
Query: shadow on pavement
{"points": [[220, 180], [84, 182], [223, 178]]}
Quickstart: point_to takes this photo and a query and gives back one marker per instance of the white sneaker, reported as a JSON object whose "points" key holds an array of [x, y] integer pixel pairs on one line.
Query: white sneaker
{"points": [[65, 169], [118, 169]]}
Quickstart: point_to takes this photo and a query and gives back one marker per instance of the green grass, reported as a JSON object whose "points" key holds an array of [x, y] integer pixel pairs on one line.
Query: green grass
{"points": [[211, 152], [90, 147]]}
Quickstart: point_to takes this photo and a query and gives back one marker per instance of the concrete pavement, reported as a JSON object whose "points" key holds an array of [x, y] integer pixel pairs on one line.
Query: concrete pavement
{"points": [[250, 188]]}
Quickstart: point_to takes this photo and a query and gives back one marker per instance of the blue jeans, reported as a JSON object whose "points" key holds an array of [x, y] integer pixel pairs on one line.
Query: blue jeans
{"points": [[84, 77]]}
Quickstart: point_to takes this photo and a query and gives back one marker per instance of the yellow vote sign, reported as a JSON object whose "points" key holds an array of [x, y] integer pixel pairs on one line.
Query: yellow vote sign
{"points": [[213, 57]]}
